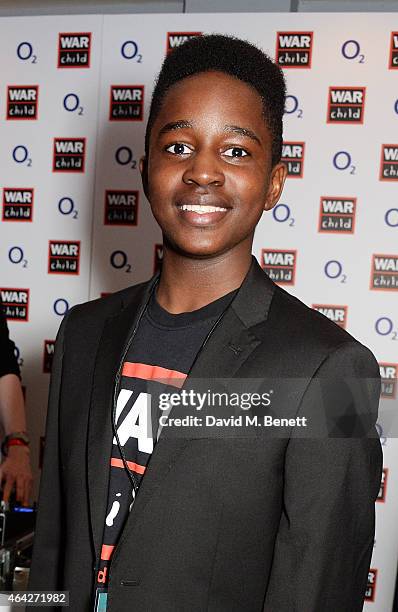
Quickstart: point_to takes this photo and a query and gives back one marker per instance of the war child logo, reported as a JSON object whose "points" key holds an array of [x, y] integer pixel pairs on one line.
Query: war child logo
{"points": [[293, 158], [389, 376], [22, 102], [393, 63], [63, 256], [158, 257], [15, 303], [337, 215], [121, 207], [18, 203], [381, 497], [371, 586], [69, 154], [389, 162], [337, 314], [48, 355], [126, 103], [175, 39], [294, 49], [346, 105], [74, 49], [384, 274], [279, 265]]}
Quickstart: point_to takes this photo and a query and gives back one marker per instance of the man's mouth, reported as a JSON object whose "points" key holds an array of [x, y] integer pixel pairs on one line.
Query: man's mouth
{"points": [[201, 210], [202, 215]]}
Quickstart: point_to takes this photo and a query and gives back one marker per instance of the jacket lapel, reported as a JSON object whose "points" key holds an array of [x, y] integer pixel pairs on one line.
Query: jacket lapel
{"points": [[115, 335], [240, 330]]}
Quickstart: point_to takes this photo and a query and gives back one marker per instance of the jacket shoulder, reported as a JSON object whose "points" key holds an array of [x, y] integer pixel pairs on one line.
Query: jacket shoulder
{"points": [[96, 311], [308, 331]]}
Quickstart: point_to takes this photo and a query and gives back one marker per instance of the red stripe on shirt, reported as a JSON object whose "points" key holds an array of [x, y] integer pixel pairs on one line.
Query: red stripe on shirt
{"points": [[134, 467], [106, 552], [153, 372]]}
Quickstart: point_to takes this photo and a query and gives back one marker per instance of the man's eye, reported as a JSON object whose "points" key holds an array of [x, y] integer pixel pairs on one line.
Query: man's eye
{"points": [[178, 149], [236, 152]]}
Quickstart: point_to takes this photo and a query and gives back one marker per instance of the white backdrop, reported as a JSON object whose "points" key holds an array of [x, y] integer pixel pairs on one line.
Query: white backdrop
{"points": [[74, 95]]}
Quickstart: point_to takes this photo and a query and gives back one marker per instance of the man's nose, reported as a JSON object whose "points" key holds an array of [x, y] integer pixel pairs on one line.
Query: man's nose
{"points": [[204, 169]]}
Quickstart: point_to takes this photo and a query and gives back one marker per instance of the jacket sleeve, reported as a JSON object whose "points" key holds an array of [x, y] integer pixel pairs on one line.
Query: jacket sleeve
{"points": [[46, 566], [325, 538]]}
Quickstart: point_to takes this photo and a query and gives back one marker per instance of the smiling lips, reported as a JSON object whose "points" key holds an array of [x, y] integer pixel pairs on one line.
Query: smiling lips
{"points": [[198, 208], [201, 215]]}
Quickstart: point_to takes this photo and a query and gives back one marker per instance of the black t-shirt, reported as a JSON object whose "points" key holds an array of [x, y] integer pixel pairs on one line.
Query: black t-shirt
{"points": [[8, 362], [158, 361]]}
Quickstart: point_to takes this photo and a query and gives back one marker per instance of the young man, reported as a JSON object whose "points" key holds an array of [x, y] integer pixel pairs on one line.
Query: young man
{"points": [[133, 517]]}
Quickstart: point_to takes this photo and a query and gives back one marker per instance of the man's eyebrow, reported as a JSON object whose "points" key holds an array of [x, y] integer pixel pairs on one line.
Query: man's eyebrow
{"points": [[175, 125], [236, 129]]}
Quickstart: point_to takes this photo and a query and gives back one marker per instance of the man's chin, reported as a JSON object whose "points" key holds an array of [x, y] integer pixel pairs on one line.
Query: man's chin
{"points": [[192, 250]]}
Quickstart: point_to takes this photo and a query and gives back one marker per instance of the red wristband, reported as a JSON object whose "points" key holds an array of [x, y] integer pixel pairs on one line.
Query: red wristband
{"points": [[16, 442]]}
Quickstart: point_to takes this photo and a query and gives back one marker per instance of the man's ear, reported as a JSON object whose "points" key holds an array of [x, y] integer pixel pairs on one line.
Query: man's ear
{"points": [[143, 166], [278, 176]]}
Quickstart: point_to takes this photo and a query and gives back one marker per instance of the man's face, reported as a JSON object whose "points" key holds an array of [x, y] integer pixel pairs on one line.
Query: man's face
{"points": [[209, 167]]}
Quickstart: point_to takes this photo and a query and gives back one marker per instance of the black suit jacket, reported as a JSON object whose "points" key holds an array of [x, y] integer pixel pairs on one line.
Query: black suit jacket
{"points": [[254, 523]]}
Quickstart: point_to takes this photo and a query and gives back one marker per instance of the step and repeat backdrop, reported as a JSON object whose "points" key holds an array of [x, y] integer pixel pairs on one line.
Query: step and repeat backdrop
{"points": [[74, 222]]}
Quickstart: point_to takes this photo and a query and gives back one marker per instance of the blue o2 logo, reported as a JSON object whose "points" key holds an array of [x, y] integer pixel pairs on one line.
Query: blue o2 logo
{"points": [[351, 50], [16, 256], [119, 260], [130, 51], [25, 52], [292, 106], [342, 161], [124, 156], [282, 214], [66, 206], [385, 326], [71, 103], [20, 155], [61, 307], [333, 269], [391, 217]]}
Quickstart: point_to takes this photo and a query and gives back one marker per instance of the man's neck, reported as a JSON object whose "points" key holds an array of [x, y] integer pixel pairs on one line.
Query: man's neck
{"points": [[187, 284]]}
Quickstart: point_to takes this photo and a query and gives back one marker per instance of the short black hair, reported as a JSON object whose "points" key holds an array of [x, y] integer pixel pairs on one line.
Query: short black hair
{"points": [[235, 57]]}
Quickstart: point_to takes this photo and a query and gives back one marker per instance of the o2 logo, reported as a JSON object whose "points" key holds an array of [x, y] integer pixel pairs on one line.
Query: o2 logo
{"points": [[26, 53], [282, 214], [292, 106], [71, 103], [333, 269], [130, 51], [342, 160], [124, 156], [61, 307], [119, 260], [16, 256], [391, 217], [351, 50], [384, 326], [20, 155], [66, 206]]}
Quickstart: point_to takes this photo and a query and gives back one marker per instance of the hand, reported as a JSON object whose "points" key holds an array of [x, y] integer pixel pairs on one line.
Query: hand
{"points": [[16, 470]]}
